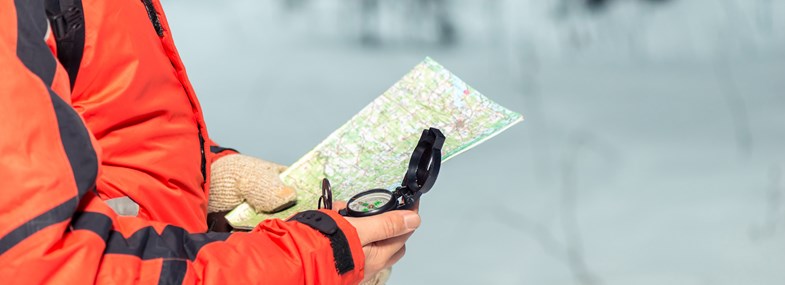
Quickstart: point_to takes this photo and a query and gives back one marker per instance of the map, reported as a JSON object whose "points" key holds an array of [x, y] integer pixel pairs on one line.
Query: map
{"points": [[373, 148]]}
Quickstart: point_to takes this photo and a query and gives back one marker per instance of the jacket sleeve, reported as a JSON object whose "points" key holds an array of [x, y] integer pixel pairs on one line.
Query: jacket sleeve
{"points": [[55, 230]]}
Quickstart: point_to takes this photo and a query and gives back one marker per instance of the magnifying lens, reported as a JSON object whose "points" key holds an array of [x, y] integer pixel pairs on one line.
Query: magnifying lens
{"points": [[419, 178]]}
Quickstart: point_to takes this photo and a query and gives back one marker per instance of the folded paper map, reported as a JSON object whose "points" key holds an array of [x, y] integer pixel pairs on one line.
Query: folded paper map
{"points": [[373, 148]]}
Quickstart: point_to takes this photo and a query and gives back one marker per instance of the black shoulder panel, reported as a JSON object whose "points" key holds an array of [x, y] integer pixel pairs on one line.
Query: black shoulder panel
{"points": [[67, 20]]}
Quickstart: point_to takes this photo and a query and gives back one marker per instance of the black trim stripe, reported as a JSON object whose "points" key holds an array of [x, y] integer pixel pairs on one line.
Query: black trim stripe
{"points": [[55, 215], [99, 224], [77, 145], [218, 149], [173, 242], [35, 55], [146, 243], [31, 49], [342, 253], [172, 272]]}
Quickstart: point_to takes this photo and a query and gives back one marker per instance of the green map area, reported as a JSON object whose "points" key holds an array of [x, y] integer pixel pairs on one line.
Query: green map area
{"points": [[372, 149]]}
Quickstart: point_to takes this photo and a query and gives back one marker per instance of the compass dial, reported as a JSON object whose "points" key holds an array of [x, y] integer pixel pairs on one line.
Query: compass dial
{"points": [[370, 202]]}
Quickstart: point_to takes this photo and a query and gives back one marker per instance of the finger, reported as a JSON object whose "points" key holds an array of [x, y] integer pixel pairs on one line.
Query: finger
{"points": [[377, 278], [378, 254], [270, 166], [277, 167], [383, 253], [391, 245], [396, 257], [416, 207], [385, 225]]}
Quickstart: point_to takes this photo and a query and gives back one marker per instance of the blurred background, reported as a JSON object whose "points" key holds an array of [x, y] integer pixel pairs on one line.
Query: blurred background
{"points": [[652, 151]]}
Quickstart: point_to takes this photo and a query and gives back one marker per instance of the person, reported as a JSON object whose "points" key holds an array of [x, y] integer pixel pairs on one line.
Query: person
{"points": [[95, 105]]}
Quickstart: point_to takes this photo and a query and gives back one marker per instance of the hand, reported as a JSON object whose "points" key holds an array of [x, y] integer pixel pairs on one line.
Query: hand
{"points": [[383, 237], [236, 178]]}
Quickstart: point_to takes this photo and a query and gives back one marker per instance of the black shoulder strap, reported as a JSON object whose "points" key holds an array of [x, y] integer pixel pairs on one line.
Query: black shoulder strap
{"points": [[67, 20]]}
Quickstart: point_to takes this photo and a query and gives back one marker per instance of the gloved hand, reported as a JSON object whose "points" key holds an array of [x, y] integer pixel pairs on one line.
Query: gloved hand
{"points": [[236, 178]]}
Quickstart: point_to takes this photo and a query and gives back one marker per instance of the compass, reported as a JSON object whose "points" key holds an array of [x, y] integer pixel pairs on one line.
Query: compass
{"points": [[371, 202], [420, 176]]}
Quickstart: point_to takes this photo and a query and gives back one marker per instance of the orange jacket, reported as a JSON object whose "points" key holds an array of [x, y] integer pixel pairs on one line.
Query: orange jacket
{"points": [[55, 229]]}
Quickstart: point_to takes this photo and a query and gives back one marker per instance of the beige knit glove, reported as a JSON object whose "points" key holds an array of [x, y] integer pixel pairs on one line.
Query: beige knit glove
{"points": [[236, 178]]}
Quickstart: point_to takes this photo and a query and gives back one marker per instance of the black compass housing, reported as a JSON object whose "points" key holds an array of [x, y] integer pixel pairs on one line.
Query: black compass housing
{"points": [[419, 178]]}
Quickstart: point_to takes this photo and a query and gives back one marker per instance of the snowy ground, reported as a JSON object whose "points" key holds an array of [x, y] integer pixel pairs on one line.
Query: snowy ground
{"points": [[659, 168]]}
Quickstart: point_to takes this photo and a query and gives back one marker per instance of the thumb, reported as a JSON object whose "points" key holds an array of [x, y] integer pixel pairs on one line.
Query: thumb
{"points": [[277, 168], [339, 205], [386, 225]]}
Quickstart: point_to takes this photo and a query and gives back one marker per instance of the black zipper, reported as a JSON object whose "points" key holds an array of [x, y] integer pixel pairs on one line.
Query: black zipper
{"points": [[148, 5], [201, 150], [153, 15]]}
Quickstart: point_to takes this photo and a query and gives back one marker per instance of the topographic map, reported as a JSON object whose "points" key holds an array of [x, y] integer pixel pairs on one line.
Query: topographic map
{"points": [[373, 148]]}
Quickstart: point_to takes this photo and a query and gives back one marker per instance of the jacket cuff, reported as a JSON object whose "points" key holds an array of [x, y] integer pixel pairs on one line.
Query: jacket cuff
{"points": [[353, 239], [347, 251], [219, 151]]}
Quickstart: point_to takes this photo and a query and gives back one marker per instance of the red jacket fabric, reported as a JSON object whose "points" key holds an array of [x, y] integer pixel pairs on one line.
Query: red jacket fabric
{"points": [[134, 95], [130, 128]]}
